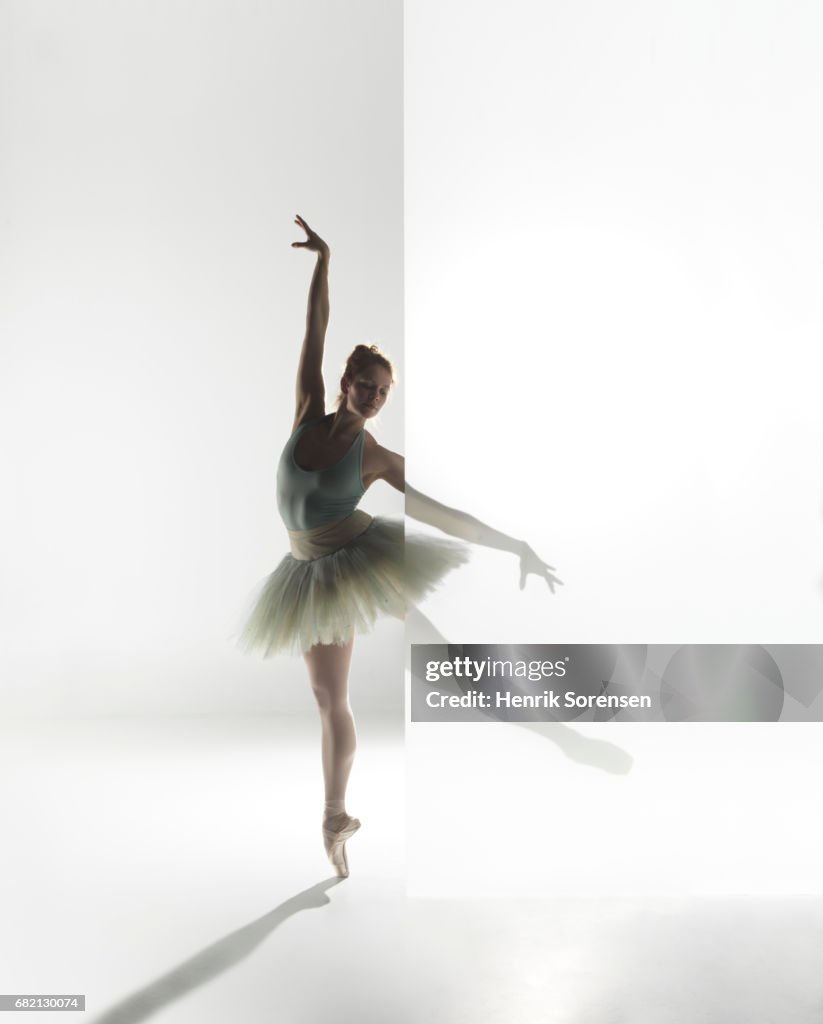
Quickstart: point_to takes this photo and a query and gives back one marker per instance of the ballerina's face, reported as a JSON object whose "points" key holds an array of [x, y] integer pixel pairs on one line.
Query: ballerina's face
{"points": [[367, 391]]}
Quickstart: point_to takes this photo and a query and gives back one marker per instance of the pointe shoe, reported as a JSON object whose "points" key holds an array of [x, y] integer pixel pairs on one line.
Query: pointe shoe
{"points": [[334, 839]]}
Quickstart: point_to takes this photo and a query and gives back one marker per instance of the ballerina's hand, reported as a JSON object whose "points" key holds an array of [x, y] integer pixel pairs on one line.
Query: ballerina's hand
{"points": [[530, 563], [314, 243]]}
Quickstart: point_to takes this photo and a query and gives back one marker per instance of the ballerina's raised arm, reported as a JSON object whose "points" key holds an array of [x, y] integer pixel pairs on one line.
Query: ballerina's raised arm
{"points": [[310, 400]]}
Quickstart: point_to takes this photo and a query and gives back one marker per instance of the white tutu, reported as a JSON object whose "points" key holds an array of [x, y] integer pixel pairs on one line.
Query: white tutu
{"points": [[326, 600]]}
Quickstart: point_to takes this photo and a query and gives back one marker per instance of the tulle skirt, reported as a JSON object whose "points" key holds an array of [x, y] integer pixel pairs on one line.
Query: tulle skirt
{"points": [[326, 600]]}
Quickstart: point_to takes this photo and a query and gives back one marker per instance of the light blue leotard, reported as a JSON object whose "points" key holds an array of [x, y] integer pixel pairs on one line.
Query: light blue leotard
{"points": [[307, 498]]}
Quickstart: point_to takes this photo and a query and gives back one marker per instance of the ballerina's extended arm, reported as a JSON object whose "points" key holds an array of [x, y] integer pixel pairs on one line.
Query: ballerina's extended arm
{"points": [[311, 390], [460, 524], [391, 467]]}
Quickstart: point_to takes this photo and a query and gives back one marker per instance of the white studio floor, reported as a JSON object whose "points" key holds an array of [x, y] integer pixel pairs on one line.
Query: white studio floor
{"points": [[172, 870]]}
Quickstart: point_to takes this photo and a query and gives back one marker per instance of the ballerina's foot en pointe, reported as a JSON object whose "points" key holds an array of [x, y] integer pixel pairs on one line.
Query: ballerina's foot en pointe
{"points": [[336, 831]]}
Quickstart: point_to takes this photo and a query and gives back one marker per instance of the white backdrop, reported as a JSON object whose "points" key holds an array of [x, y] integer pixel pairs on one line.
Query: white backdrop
{"points": [[614, 311], [152, 156], [613, 284]]}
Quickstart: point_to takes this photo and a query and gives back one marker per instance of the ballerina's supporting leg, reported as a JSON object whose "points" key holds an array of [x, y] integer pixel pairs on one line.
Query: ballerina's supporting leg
{"points": [[328, 666]]}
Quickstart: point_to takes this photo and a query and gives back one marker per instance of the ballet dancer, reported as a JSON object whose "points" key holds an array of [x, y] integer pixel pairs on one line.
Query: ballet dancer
{"points": [[345, 567]]}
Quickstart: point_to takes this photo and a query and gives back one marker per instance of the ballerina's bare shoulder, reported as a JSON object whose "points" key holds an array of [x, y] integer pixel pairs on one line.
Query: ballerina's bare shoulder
{"points": [[316, 450]]}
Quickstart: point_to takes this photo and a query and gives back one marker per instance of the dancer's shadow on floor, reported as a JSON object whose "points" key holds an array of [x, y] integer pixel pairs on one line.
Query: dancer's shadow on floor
{"points": [[596, 753], [213, 960]]}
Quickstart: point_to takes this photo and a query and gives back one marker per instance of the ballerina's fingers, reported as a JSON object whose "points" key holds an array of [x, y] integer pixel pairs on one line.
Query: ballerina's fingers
{"points": [[298, 220], [543, 570], [314, 243]]}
